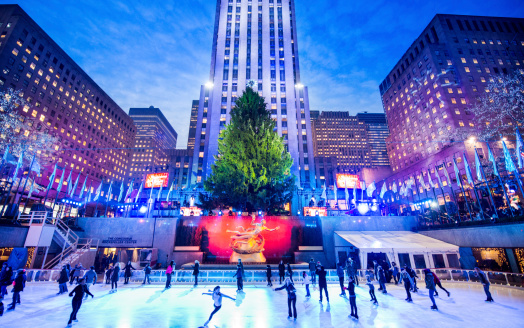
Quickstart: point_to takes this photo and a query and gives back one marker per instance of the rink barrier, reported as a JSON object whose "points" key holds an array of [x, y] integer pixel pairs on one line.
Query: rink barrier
{"points": [[259, 276]]}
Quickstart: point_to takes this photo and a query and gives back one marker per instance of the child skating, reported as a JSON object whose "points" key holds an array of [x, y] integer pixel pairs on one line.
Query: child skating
{"points": [[369, 282], [306, 281], [217, 299]]}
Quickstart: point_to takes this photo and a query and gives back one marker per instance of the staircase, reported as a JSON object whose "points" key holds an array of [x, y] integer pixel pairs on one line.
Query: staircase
{"points": [[73, 247]]}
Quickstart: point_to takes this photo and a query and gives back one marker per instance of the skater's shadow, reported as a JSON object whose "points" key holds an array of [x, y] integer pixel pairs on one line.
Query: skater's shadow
{"points": [[240, 298], [155, 296], [373, 315], [325, 316], [185, 293], [505, 306], [451, 316]]}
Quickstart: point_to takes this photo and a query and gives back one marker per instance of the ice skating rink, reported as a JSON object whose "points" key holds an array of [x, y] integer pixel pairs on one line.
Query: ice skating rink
{"points": [[135, 306]]}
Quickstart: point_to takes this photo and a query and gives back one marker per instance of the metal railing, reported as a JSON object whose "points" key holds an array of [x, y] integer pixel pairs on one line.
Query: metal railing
{"points": [[35, 218], [259, 276]]}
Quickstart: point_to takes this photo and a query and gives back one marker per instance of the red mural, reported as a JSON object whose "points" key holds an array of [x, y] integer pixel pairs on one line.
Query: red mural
{"points": [[215, 240]]}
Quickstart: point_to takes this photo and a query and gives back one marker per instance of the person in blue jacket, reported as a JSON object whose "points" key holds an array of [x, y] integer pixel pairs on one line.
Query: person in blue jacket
{"points": [[291, 297]]}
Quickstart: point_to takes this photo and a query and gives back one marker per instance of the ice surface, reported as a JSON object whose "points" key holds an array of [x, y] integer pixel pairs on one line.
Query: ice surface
{"points": [[183, 306]]}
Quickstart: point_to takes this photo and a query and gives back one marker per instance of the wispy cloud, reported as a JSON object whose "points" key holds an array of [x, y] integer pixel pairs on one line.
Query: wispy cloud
{"points": [[158, 52]]}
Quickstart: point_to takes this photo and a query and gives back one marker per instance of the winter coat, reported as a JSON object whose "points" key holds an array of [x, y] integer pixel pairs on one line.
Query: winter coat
{"points": [[268, 273], [430, 281], [238, 274], [395, 271], [6, 278], [128, 269], [77, 271], [79, 292], [370, 283], [289, 270], [147, 269], [290, 289], [435, 278], [242, 267], [340, 271], [306, 280], [312, 266], [404, 275], [90, 277], [351, 268], [109, 272], [411, 273], [483, 278], [282, 269], [351, 289], [19, 283], [381, 277], [196, 269], [115, 275], [322, 277], [64, 276]]}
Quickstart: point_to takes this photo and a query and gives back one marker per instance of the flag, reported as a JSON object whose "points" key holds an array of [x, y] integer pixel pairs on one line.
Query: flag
{"points": [[324, 196], [139, 191], [371, 188], [383, 190], [402, 190], [35, 167], [60, 183], [31, 189], [363, 187], [421, 181], [493, 161], [468, 171], [346, 193], [431, 184], [89, 192], [160, 192], [51, 179], [354, 192], [121, 192], [394, 188], [69, 183], [510, 165], [457, 172], [83, 189], [520, 149], [478, 166], [6, 154], [98, 191], [109, 192], [438, 177], [18, 165], [151, 193], [170, 190], [72, 194], [446, 174], [335, 192]]}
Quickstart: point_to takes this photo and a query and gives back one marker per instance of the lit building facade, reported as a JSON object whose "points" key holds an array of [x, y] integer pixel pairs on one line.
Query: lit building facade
{"points": [[192, 126], [377, 132], [94, 133], [180, 167], [255, 41], [337, 134], [154, 137]]}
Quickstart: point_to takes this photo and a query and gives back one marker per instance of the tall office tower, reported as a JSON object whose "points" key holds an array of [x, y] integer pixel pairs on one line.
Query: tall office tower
{"points": [[94, 132], [154, 137], [427, 94], [255, 41], [192, 126], [337, 134], [377, 131]]}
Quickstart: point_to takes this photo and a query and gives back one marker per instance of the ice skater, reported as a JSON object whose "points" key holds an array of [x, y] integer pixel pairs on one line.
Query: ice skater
{"points": [[406, 279], [5, 279], [196, 271], [127, 272], [369, 282], [306, 281], [340, 274], [78, 292], [382, 280], [115, 275], [77, 273], [430, 285], [18, 287], [395, 273], [217, 299], [62, 280], [90, 278], [322, 282], [438, 283], [312, 270], [291, 297], [351, 269], [147, 273], [483, 278], [240, 280], [290, 272], [352, 298], [413, 276], [169, 273], [109, 272], [375, 270], [268, 276], [281, 271]]}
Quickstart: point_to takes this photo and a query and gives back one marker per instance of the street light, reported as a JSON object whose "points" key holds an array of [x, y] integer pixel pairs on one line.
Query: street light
{"points": [[299, 86], [209, 85]]}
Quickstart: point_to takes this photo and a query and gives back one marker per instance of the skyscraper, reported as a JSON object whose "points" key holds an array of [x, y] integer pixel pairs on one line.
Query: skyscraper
{"points": [[255, 41], [377, 132], [154, 137], [192, 126]]}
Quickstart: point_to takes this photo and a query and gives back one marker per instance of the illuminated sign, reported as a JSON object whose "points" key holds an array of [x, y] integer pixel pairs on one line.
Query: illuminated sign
{"points": [[155, 180], [315, 211], [190, 211], [349, 180]]}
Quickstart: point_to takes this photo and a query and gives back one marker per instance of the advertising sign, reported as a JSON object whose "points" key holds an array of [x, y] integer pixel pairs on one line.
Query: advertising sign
{"points": [[349, 180], [155, 180]]}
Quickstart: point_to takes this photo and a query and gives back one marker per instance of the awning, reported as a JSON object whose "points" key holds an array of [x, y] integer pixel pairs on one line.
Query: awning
{"points": [[397, 241]]}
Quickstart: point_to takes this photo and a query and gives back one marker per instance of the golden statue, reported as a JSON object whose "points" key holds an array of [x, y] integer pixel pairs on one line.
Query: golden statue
{"points": [[248, 244]]}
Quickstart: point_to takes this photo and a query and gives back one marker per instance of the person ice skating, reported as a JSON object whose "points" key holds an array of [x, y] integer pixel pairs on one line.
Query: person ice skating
{"points": [[147, 273], [438, 283], [369, 282], [269, 275], [387, 272], [127, 272], [242, 267], [395, 273], [413, 276], [306, 281], [382, 280], [281, 271], [5, 280], [240, 280], [312, 270], [63, 278], [289, 272], [375, 271], [430, 285], [18, 287], [340, 274], [169, 273], [115, 275], [352, 298], [196, 271], [90, 278], [406, 279], [322, 282], [109, 272], [77, 273], [217, 300], [78, 292], [483, 278], [291, 297], [351, 269]]}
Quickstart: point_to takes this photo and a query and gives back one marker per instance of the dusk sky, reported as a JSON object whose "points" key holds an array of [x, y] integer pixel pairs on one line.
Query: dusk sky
{"points": [[158, 53]]}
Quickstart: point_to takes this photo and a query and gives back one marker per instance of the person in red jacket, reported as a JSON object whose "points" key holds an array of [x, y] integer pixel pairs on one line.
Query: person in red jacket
{"points": [[438, 283]]}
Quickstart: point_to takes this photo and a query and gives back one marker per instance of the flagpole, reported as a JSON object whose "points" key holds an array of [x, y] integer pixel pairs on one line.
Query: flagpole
{"points": [[474, 187], [490, 192], [4, 209], [502, 185], [27, 200], [97, 198], [25, 183], [463, 192]]}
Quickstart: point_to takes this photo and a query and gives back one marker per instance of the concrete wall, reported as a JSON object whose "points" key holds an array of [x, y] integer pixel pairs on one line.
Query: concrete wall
{"points": [[507, 236], [13, 236], [331, 224]]}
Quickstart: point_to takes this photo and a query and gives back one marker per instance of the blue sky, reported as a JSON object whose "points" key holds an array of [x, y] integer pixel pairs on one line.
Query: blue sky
{"points": [[158, 53]]}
